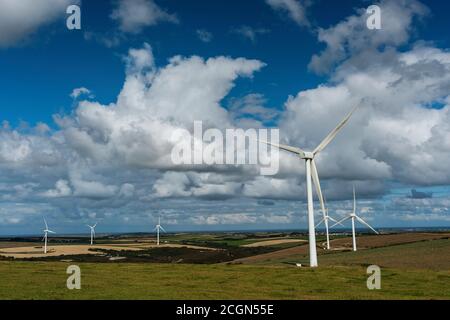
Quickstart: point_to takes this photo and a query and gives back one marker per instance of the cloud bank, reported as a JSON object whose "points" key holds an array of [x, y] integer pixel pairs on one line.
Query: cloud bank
{"points": [[113, 161]]}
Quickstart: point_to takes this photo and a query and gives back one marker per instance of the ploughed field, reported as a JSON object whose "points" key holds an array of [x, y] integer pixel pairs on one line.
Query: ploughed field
{"points": [[413, 266]]}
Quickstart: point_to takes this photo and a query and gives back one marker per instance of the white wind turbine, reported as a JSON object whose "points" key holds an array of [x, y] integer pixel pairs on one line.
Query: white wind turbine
{"points": [[92, 232], [311, 172], [46, 232], [324, 220], [354, 217], [157, 229]]}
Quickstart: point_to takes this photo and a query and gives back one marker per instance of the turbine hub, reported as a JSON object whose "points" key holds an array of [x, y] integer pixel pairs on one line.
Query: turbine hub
{"points": [[308, 155]]}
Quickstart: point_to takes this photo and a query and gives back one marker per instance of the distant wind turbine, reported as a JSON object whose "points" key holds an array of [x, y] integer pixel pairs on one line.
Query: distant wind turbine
{"points": [[354, 217], [311, 172], [157, 229], [46, 232], [92, 232], [325, 220]]}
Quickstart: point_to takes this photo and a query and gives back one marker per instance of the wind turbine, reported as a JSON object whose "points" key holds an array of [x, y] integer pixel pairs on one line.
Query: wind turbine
{"points": [[92, 232], [157, 228], [324, 220], [354, 217], [311, 172], [46, 232]]}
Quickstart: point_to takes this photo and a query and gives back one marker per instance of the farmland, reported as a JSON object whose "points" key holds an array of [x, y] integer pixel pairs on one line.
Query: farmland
{"points": [[414, 266]]}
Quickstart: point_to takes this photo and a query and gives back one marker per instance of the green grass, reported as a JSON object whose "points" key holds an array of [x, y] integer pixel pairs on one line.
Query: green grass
{"points": [[431, 255], [418, 270], [47, 280]]}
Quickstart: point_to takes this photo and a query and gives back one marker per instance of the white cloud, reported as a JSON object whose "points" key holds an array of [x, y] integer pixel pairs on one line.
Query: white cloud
{"points": [[62, 189], [204, 35], [250, 111], [80, 91], [19, 19], [351, 36], [135, 15], [208, 186], [296, 10], [117, 156], [249, 32], [140, 60], [92, 189], [227, 218]]}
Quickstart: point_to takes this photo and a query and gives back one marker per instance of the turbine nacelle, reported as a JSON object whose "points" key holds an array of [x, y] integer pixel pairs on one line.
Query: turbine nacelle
{"points": [[307, 155]]}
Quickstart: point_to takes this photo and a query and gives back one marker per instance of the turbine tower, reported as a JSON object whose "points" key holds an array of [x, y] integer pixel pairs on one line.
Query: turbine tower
{"points": [[46, 232], [354, 217], [92, 232], [311, 173], [157, 229]]}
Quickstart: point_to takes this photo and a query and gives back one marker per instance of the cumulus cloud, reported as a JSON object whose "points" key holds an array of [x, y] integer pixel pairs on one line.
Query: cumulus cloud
{"points": [[19, 19], [250, 111], [295, 9], [135, 15], [62, 189], [352, 35], [107, 159], [130, 140]]}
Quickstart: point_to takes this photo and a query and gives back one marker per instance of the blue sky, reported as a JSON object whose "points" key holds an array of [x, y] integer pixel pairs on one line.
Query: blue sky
{"points": [[43, 62]]}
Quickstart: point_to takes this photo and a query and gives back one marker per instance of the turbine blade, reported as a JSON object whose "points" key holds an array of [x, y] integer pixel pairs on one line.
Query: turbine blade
{"points": [[51, 231], [365, 223], [340, 221], [290, 149], [320, 222], [155, 229], [162, 229], [334, 220], [95, 225], [333, 133], [354, 200], [46, 226], [316, 181]]}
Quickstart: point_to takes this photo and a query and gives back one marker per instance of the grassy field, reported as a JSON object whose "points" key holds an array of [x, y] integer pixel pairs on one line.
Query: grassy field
{"points": [[430, 255], [47, 280], [417, 270]]}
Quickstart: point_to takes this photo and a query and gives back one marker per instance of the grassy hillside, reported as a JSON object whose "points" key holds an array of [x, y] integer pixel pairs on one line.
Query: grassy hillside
{"points": [[47, 280], [419, 270]]}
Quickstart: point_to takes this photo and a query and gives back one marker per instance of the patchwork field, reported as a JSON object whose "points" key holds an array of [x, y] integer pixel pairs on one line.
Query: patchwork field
{"points": [[73, 250], [413, 266]]}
